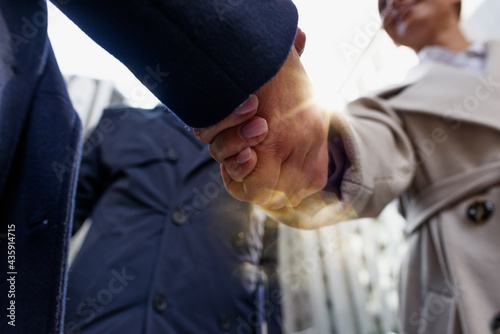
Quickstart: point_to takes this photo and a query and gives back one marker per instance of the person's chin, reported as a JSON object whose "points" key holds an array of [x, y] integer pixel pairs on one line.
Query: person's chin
{"points": [[410, 35]]}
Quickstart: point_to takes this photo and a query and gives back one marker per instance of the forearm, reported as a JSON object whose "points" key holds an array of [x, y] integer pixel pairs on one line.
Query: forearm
{"points": [[202, 59]]}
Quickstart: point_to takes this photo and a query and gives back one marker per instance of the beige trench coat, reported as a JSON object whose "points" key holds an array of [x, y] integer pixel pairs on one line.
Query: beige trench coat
{"points": [[434, 143]]}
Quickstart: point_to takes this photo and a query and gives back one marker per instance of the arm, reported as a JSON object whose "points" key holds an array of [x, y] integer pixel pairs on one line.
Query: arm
{"points": [[202, 58], [370, 162], [379, 157]]}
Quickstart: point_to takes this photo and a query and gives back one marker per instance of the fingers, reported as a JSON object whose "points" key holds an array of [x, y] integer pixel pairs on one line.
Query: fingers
{"points": [[246, 111], [282, 180], [233, 141], [239, 166], [259, 185]]}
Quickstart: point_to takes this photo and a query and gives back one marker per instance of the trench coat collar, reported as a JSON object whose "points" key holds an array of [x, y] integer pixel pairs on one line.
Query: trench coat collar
{"points": [[451, 93]]}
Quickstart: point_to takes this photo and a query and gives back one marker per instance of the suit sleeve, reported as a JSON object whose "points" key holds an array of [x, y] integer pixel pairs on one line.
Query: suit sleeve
{"points": [[372, 160], [201, 58], [92, 181]]}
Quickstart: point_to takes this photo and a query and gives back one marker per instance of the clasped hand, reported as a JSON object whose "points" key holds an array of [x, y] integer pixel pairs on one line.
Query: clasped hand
{"points": [[273, 150]]}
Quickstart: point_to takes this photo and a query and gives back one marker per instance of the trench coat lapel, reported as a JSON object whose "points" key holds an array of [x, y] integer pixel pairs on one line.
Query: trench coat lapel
{"points": [[451, 93]]}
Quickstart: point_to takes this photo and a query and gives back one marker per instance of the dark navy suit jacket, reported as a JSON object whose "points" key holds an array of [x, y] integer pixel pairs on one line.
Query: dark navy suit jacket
{"points": [[201, 58], [169, 250]]}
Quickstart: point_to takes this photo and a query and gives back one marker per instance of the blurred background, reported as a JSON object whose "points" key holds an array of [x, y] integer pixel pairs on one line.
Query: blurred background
{"points": [[339, 279]]}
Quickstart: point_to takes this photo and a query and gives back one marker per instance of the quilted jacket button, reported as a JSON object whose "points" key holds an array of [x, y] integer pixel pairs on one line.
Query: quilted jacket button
{"points": [[171, 155], [160, 303], [179, 217]]}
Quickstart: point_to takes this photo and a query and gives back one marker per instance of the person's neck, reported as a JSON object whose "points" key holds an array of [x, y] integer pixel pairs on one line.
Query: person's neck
{"points": [[452, 39]]}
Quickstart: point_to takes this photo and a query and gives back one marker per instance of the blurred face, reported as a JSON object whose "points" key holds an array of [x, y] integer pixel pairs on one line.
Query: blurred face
{"points": [[416, 23]]}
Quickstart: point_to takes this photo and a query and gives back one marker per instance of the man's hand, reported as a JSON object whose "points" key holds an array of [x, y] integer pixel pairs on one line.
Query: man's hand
{"points": [[288, 164]]}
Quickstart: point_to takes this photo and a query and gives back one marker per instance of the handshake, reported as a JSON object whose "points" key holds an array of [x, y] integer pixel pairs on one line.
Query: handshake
{"points": [[273, 149]]}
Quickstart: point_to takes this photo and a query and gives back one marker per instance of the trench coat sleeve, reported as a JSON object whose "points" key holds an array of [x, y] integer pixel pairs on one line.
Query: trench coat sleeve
{"points": [[374, 162], [201, 58], [92, 181]]}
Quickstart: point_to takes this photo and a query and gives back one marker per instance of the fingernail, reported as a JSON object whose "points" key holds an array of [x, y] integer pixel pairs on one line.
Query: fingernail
{"points": [[244, 156], [251, 104], [255, 128]]}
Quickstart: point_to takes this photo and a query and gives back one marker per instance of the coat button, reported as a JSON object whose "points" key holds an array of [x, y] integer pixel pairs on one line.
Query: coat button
{"points": [[171, 155], [239, 240], [159, 303], [479, 211], [225, 322], [179, 217], [495, 324]]}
